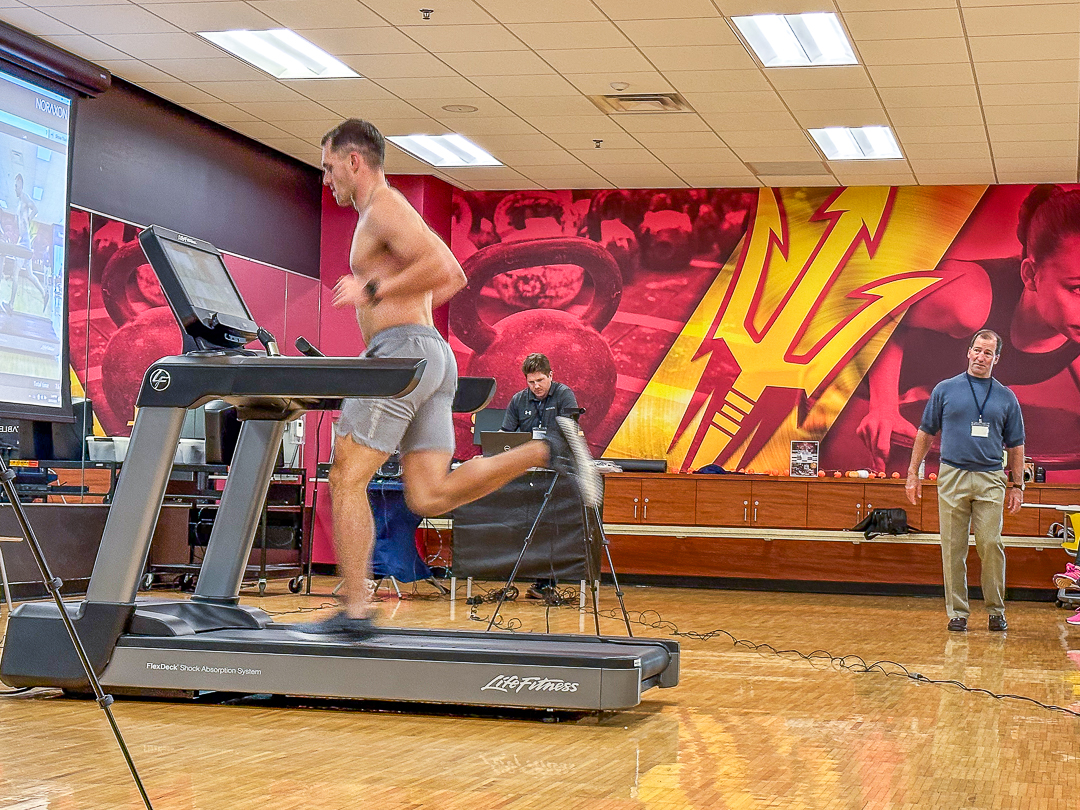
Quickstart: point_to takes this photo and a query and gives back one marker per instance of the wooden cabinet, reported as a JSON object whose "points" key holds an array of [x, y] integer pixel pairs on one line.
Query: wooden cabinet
{"points": [[723, 501], [1059, 495], [778, 504], [835, 505], [657, 500]]}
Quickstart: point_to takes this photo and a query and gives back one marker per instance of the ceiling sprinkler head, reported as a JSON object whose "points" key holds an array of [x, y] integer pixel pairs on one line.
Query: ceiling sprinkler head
{"points": [[618, 87], [427, 12], [597, 142]]}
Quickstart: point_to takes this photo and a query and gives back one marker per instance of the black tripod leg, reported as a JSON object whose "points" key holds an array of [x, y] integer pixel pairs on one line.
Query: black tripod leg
{"points": [[611, 565], [53, 585], [524, 548]]}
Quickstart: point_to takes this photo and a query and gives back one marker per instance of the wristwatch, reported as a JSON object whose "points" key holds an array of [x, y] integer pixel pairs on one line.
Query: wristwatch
{"points": [[1011, 485]]}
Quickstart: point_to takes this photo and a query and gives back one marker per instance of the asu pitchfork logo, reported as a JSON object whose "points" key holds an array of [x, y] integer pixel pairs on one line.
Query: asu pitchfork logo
{"points": [[793, 321]]}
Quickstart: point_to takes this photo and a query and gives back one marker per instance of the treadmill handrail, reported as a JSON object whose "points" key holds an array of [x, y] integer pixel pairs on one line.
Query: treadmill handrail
{"points": [[187, 381]]}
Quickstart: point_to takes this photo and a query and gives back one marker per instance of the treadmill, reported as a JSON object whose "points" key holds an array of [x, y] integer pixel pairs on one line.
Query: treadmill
{"points": [[211, 643]]}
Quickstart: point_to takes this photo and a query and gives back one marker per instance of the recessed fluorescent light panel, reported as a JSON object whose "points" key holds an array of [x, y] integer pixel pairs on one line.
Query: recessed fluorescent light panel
{"points": [[282, 53], [857, 143], [797, 40], [444, 151]]}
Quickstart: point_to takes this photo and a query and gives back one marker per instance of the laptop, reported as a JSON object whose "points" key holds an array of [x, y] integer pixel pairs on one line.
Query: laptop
{"points": [[493, 442]]}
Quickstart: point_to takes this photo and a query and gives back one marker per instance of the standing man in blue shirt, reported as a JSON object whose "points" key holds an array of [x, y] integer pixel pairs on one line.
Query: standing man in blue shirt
{"points": [[535, 408], [977, 417]]}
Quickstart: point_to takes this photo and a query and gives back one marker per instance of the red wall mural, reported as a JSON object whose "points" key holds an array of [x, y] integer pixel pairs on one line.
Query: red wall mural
{"points": [[718, 326]]}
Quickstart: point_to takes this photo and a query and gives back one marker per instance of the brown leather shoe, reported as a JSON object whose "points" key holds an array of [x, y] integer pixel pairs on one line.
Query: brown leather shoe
{"points": [[998, 623], [958, 624]]}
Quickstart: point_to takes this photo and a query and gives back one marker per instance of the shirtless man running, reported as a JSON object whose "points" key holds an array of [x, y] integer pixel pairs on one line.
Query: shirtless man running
{"points": [[400, 271]]}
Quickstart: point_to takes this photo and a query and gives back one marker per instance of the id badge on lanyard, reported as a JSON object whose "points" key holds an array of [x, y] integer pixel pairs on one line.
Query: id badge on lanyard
{"points": [[979, 428]]}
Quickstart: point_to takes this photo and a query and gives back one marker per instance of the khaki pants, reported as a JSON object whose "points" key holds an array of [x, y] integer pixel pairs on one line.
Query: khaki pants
{"points": [[972, 500]]}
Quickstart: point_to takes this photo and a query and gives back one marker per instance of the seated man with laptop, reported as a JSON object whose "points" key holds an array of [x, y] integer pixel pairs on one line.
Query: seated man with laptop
{"points": [[532, 412]]}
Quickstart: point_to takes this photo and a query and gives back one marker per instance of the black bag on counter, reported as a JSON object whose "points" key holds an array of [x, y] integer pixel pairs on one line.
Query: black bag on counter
{"points": [[882, 521]]}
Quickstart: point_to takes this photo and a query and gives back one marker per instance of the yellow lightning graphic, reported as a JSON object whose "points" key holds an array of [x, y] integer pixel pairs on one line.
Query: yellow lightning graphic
{"points": [[792, 323]]}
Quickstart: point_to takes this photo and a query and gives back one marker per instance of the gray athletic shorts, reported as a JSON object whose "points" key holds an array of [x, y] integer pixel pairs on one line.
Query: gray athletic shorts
{"points": [[423, 419]]}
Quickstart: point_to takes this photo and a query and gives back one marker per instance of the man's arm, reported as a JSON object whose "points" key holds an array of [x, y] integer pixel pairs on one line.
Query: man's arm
{"points": [[1014, 496], [913, 487], [427, 263]]}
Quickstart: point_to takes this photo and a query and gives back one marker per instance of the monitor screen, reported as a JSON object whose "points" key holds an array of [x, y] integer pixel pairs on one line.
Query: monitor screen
{"points": [[35, 129], [201, 274]]}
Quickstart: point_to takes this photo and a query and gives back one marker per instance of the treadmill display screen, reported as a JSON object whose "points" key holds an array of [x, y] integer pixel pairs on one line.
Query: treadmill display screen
{"points": [[205, 279]]}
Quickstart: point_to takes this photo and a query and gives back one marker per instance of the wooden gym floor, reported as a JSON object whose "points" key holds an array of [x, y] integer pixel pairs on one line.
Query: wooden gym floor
{"points": [[744, 729]]}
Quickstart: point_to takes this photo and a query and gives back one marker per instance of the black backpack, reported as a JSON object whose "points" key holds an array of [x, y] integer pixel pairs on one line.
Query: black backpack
{"points": [[882, 521]]}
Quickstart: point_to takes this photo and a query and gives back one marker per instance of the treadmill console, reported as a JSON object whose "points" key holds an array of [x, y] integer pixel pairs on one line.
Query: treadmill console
{"points": [[199, 289]]}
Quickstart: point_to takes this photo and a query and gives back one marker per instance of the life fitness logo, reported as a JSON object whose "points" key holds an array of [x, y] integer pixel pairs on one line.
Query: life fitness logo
{"points": [[160, 379], [514, 684]]}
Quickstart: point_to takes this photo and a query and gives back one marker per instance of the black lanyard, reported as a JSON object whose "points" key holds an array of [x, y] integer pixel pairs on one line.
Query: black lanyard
{"points": [[985, 399]]}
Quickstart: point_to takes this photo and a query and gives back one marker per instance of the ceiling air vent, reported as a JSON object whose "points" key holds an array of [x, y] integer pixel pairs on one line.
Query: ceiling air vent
{"points": [[641, 103]]}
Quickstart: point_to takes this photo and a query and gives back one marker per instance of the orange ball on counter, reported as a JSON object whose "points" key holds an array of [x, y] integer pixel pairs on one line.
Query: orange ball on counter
{"points": [[837, 474], [933, 476], [896, 475], [820, 473]]}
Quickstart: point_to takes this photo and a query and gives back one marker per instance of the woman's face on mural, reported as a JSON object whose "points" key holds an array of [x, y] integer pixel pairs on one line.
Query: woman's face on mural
{"points": [[1055, 280]]}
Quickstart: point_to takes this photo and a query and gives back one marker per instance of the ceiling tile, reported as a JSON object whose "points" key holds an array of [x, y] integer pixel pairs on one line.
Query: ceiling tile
{"points": [[258, 91], [455, 12], [943, 96], [682, 122], [695, 180], [414, 125], [942, 116], [610, 157], [700, 57], [798, 181], [309, 129], [515, 11], [680, 33], [586, 142], [516, 141], [317, 13], [956, 73], [849, 98], [676, 153], [599, 84], [163, 46], [137, 72], [712, 81], [795, 138], [596, 60], [220, 111], [551, 106], [257, 129], [101, 19], [547, 173], [576, 124], [680, 140], [483, 173], [1027, 72], [497, 63], [1030, 47], [286, 110], [820, 78], [224, 68], [179, 93], [337, 89], [220, 15], [734, 8], [734, 166], [464, 38], [769, 154], [720, 103], [892, 5], [940, 165], [1024, 132], [642, 177], [947, 150], [1055, 164], [1033, 176], [863, 117], [413, 67], [750, 122], [999, 94], [913, 51], [547, 84], [361, 41], [1013, 149], [865, 26], [956, 178], [86, 46], [560, 35], [1009, 20], [856, 179], [1032, 114], [522, 183], [915, 133], [485, 106], [536, 157], [368, 108], [35, 22], [497, 126], [651, 10]]}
